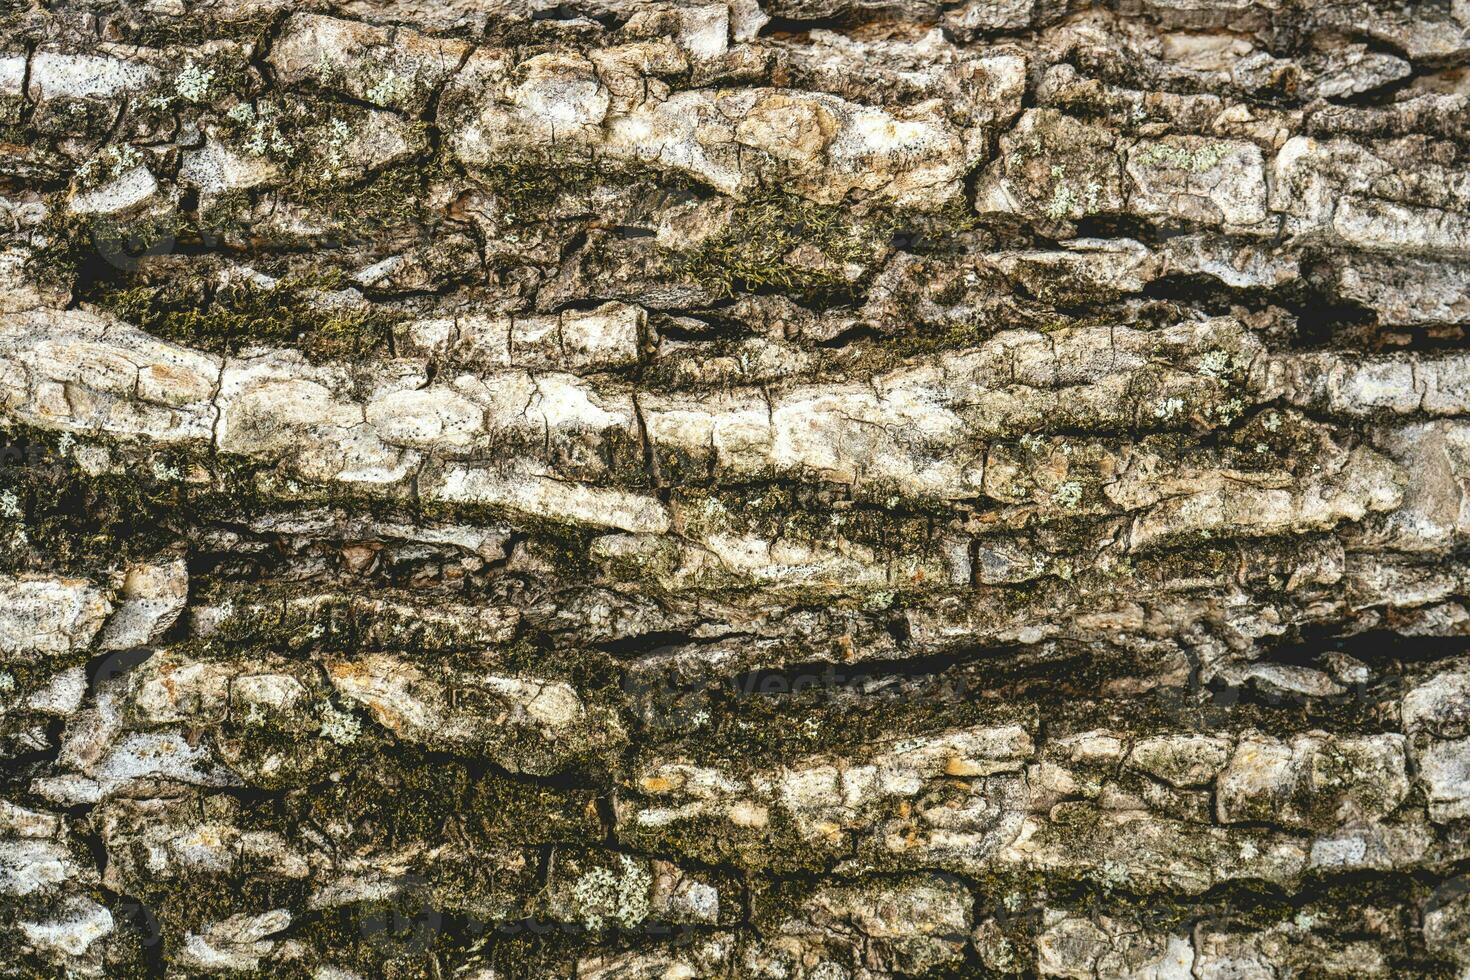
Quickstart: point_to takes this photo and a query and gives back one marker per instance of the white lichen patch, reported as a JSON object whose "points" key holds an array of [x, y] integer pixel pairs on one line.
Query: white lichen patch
{"points": [[108, 164], [1113, 875], [262, 134], [389, 89], [1215, 363], [192, 83], [1198, 159], [1168, 408], [881, 599], [604, 896], [1061, 202], [1065, 199], [337, 137], [1068, 495], [1230, 410], [339, 726]]}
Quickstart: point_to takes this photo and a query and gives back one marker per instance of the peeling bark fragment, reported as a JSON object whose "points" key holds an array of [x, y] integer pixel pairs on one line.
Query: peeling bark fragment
{"points": [[524, 723], [45, 616], [1312, 780], [737, 140], [395, 68], [938, 801]]}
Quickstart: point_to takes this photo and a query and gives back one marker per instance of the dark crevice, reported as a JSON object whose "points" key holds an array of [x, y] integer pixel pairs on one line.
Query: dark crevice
{"points": [[1375, 647], [859, 677], [1322, 321], [791, 29], [115, 664], [654, 644], [610, 20]]}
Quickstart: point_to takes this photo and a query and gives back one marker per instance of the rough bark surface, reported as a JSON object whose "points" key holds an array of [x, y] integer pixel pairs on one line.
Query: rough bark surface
{"points": [[757, 489]]}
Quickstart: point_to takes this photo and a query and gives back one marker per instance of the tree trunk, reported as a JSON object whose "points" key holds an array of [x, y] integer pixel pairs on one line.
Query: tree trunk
{"points": [[756, 489]]}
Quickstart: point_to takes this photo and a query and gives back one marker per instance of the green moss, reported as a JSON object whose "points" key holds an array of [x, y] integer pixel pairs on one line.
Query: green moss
{"points": [[527, 190], [530, 186], [954, 335], [251, 23], [78, 519], [754, 252], [12, 108], [389, 202], [892, 525], [409, 795], [59, 516], [564, 546], [84, 121], [243, 312], [74, 243]]}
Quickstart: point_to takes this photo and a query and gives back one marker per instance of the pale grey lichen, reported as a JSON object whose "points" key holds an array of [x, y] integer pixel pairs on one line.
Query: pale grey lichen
{"points": [[1228, 411], [1113, 875], [389, 88], [602, 895], [1062, 200], [880, 600], [263, 134], [1198, 160], [325, 70], [334, 147], [193, 83], [1068, 495], [1214, 363], [108, 164], [339, 726], [1168, 408]]}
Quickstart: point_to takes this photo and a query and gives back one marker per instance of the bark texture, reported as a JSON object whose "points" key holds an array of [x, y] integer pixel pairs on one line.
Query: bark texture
{"points": [[757, 489]]}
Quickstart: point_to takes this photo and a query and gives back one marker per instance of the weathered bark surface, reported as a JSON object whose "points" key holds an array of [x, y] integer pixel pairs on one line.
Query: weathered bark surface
{"points": [[767, 488]]}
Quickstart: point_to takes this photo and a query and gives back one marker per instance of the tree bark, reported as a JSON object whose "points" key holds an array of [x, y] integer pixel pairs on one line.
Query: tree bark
{"points": [[763, 488]]}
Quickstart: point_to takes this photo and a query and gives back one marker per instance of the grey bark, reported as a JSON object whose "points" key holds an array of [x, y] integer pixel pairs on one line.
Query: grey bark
{"points": [[800, 488]]}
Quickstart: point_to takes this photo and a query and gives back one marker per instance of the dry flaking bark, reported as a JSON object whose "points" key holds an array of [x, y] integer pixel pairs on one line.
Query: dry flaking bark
{"points": [[764, 489]]}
